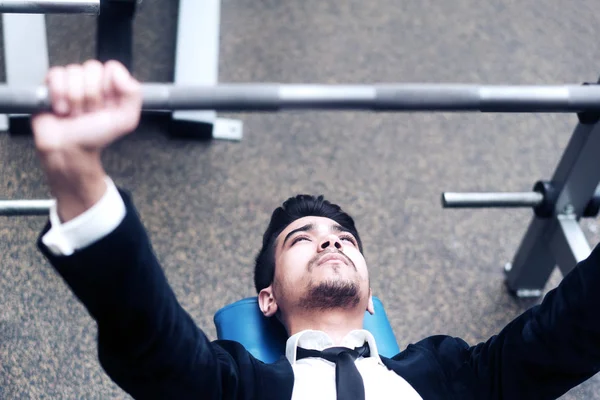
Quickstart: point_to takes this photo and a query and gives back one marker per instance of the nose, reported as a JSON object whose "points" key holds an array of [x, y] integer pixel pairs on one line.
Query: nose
{"points": [[331, 241]]}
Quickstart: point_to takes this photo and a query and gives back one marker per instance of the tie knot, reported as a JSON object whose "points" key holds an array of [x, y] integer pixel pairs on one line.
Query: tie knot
{"points": [[339, 352], [334, 354]]}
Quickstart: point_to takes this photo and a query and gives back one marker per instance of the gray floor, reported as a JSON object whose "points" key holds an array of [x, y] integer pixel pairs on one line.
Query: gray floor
{"points": [[206, 204]]}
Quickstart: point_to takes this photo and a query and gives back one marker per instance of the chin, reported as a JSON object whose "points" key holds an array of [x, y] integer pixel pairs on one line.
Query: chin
{"points": [[328, 294]]}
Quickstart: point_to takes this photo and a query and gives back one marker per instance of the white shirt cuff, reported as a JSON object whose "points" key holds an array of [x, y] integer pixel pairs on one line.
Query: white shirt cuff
{"points": [[87, 228]]}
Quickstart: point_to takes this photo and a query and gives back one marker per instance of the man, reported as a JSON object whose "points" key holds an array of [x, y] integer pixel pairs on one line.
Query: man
{"points": [[310, 274]]}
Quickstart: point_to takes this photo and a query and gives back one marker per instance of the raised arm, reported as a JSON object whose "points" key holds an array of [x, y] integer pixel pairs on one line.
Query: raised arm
{"points": [[543, 353], [94, 105], [147, 343]]}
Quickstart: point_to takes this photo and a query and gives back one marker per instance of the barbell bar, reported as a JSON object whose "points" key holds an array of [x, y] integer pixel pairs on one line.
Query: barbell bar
{"points": [[381, 97], [449, 200], [542, 200], [50, 6], [11, 208], [491, 199]]}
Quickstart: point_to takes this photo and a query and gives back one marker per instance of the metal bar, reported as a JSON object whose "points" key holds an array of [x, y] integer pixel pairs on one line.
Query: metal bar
{"points": [[575, 179], [25, 54], [50, 6], [569, 244], [490, 199], [197, 63], [10, 208], [114, 33], [197, 51], [533, 263], [392, 97]]}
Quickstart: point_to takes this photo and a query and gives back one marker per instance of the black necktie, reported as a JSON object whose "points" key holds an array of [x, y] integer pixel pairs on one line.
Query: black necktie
{"points": [[348, 381]]}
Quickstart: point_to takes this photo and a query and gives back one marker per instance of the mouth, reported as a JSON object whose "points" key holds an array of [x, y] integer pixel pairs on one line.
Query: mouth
{"points": [[332, 258]]}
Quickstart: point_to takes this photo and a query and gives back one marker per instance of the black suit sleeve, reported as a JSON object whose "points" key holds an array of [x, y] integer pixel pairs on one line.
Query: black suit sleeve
{"points": [[543, 353], [147, 343]]}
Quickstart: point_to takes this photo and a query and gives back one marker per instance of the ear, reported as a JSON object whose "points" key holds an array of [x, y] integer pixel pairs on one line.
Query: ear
{"points": [[267, 302], [370, 306]]}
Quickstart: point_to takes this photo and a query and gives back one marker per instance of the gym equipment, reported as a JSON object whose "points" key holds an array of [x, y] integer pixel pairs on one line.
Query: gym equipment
{"points": [[265, 338], [383, 97], [25, 58], [554, 236], [197, 63], [542, 200], [487, 200], [50, 6], [114, 36], [196, 58], [11, 208], [26, 48]]}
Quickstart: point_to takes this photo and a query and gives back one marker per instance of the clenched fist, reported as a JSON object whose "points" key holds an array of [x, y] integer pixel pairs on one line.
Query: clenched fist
{"points": [[93, 105]]}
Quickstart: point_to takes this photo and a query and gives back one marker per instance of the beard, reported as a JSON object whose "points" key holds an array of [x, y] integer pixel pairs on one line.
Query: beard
{"points": [[332, 294]]}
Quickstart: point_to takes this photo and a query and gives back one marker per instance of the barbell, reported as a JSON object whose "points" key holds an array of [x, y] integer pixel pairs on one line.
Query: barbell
{"points": [[535, 200], [398, 97], [50, 6]]}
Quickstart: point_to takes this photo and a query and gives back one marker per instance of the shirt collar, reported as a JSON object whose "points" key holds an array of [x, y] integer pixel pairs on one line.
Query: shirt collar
{"points": [[319, 340]]}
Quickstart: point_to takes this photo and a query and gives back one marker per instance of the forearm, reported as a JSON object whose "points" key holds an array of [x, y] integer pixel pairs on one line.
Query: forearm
{"points": [[76, 180]]}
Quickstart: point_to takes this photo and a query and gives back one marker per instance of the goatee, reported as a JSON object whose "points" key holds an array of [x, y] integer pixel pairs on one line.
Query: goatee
{"points": [[329, 295]]}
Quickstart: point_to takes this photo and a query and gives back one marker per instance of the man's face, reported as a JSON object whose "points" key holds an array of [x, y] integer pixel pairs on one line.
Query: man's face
{"points": [[318, 265]]}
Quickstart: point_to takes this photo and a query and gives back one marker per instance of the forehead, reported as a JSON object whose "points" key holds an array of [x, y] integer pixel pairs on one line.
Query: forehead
{"points": [[320, 224]]}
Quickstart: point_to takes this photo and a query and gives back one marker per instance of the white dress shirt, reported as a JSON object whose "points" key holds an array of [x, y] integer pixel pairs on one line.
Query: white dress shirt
{"points": [[314, 378], [87, 228]]}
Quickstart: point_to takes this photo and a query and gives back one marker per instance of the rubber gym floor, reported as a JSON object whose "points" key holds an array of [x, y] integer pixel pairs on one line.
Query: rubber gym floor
{"points": [[206, 203]]}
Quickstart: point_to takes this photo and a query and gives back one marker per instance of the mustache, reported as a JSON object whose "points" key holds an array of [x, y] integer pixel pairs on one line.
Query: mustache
{"points": [[315, 260]]}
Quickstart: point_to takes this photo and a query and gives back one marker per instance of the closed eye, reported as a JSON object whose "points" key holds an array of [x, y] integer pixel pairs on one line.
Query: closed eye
{"points": [[298, 239], [349, 239]]}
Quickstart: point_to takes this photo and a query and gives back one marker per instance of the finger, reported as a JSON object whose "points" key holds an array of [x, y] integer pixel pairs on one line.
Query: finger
{"points": [[56, 81], [75, 88], [93, 95], [123, 84], [126, 91], [110, 93]]}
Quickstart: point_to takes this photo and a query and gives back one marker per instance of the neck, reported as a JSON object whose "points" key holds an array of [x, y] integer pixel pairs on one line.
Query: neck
{"points": [[335, 323]]}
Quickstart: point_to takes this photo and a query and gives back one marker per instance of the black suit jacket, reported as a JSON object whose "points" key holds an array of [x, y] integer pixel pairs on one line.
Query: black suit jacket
{"points": [[151, 347]]}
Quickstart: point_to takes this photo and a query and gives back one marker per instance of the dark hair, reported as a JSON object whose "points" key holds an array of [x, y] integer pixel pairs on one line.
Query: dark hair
{"points": [[294, 208]]}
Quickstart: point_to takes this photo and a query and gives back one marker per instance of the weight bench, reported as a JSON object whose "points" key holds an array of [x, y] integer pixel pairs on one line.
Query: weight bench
{"points": [[265, 338]]}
